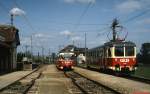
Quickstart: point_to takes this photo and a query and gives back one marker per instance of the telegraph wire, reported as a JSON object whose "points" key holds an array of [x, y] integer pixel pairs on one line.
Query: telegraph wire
{"points": [[83, 24], [82, 15], [25, 18], [136, 16]]}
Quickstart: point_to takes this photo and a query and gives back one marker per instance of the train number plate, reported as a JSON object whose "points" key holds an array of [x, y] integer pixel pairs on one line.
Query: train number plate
{"points": [[124, 60]]}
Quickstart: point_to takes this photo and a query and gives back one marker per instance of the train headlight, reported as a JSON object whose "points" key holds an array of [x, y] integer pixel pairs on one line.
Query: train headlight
{"points": [[72, 67], [61, 67], [118, 69]]}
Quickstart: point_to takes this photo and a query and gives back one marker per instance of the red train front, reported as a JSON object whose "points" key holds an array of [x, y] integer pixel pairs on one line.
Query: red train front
{"points": [[123, 57], [65, 61], [117, 56]]}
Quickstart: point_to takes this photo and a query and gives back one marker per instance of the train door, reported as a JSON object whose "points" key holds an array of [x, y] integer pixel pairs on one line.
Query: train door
{"points": [[101, 51], [107, 54], [103, 57]]}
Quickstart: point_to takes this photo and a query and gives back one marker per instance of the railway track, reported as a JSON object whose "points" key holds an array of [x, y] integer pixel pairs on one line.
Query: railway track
{"points": [[23, 85], [87, 86]]}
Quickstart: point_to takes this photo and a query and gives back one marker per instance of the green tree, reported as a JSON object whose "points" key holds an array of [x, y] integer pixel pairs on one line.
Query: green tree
{"points": [[20, 56], [145, 53]]}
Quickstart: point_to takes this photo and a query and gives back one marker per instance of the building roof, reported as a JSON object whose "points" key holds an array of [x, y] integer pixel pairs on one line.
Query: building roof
{"points": [[69, 48], [9, 34]]}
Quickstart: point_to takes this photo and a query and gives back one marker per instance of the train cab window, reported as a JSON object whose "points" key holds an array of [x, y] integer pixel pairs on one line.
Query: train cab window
{"points": [[129, 51], [119, 51]]}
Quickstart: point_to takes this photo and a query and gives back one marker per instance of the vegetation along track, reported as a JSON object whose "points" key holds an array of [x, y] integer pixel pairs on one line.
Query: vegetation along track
{"points": [[139, 79], [130, 77], [24, 84], [87, 86]]}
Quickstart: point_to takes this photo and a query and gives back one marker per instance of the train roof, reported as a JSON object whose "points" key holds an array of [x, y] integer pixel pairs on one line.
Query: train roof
{"points": [[120, 43], [116, 43]]}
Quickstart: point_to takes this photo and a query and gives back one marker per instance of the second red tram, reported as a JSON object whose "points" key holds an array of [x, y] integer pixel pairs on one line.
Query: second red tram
{"points": [[65, 61], [116, 56]]}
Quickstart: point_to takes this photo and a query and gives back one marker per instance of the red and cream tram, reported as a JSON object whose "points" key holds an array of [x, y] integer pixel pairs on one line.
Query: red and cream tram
{"points": [[65, 61], [117, 56]]}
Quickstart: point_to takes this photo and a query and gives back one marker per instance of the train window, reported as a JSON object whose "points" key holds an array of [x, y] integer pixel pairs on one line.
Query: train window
{"points": [[97, 53], [109, 52], [129, 51], [119, 51]]}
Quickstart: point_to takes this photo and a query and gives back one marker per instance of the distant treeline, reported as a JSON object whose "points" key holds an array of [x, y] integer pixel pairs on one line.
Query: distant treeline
{"points": [[144, 55]]}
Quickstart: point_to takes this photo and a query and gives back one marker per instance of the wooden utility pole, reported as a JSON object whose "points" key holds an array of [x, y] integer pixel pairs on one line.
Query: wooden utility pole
{"points": [[31, 48], [26, 48], [49, 55], [85, 45]]}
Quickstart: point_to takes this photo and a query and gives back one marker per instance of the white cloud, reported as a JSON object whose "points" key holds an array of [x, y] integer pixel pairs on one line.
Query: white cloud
{"points": [[66, 33], [17, 12], [76, 38], [40, 35], [25, 41], [80, 1], [129, 6]]}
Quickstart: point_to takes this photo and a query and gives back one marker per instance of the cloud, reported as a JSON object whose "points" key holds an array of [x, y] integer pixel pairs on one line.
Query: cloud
{"points": [[66, 33], [17, 12], [40, 35], [80, 1], [76, 38], [129, 6], [25, 41]]}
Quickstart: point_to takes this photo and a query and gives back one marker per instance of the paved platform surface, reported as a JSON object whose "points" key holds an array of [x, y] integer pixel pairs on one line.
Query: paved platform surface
{"points": [[52, 81], [124, 86], [8, 79]]}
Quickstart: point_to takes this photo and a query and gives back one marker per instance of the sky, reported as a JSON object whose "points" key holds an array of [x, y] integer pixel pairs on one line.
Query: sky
{"points": [[54, 24]]}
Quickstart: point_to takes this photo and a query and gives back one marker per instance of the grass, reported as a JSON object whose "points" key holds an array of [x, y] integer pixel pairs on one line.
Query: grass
{"points": [[143, 71]]}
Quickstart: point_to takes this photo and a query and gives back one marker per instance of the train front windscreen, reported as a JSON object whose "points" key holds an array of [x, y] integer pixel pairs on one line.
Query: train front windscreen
{"points": [[124, 51], [66, 56]]}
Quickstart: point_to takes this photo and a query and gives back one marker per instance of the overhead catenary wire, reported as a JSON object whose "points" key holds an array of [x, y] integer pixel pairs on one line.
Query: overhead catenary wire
{"points": [[81, 24], [25, 17], [30, 25], [136, 16], [102, 32], [82, 15]]}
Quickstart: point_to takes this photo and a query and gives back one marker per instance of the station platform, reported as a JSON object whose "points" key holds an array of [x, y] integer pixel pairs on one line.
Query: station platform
{"points": [[10, 78], [122, 85], [53, 81]]}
